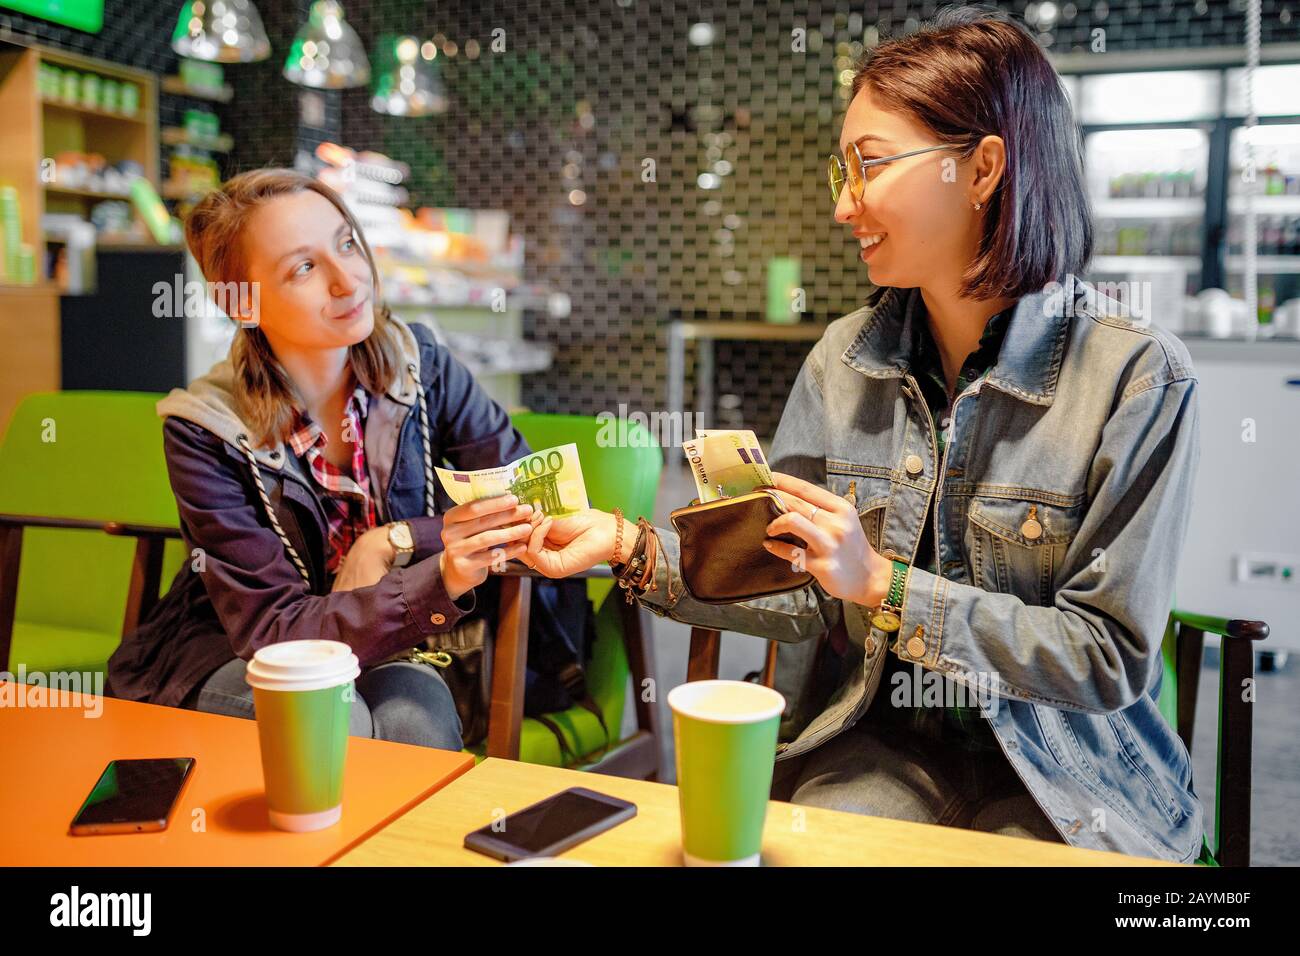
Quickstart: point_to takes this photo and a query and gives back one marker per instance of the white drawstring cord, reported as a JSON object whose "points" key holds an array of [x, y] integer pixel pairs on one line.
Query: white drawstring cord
{"points": [[428, 475], [270, 512], [424, 437]]}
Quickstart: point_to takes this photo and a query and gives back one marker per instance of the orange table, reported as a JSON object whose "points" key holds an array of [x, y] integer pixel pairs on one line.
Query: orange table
{"points": [[52, 756]]}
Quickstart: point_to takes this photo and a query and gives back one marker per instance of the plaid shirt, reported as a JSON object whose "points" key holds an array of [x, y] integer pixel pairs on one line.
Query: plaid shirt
{"points": [[349, 508], [971, 729]]}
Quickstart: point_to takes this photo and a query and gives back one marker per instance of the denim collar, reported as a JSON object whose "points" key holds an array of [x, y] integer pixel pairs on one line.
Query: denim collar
{"points": [[1029, 361]]}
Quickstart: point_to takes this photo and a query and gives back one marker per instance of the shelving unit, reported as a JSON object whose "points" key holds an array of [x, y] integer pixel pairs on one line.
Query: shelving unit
{"points": [[175, 136], [194, 164], [56, 189], [175, 86], [64, 106], [1165, 175], [37, 129]]}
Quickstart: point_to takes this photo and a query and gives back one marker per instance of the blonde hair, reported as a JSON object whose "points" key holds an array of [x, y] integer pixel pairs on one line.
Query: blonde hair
{"points": [[213, 231]]}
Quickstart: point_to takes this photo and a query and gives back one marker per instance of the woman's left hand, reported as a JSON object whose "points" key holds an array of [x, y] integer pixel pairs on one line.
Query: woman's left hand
{"points": [[369, 559], [838, 553]]}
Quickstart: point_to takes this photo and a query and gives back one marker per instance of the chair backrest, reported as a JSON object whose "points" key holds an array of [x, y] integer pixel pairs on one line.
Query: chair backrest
{"points": [[621, 466], [1182, 650], [1168, 699], [84, 454], [621, 463]]}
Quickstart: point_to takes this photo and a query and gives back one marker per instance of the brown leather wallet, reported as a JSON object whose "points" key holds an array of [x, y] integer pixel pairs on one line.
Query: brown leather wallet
{"points": [[723, 560]]}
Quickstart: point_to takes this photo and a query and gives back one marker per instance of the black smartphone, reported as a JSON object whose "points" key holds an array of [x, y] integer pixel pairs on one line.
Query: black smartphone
{"points": [[550, 826], [133, 796]]}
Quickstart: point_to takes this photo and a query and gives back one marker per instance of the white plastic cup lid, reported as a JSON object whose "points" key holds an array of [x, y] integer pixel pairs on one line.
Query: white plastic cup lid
{"points": [[726, 701], [302, 665]]}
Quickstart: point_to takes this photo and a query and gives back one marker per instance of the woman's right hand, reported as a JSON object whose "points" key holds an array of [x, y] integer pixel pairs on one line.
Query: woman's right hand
{"points": [[559, 547], [480, 534]]}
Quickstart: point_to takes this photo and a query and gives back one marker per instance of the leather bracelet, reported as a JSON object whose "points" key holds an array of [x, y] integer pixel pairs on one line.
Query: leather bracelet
{"points": [[657, 548], [897, 584], [652, 550], [635, 556], [626, 570], [639, 569], [648, 553]]}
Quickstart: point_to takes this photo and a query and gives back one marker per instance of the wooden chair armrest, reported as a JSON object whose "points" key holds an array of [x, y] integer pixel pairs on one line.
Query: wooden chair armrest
{"points": [[515, 570], [1223, 626], [121, 528], [45, 521], [127, 530]]}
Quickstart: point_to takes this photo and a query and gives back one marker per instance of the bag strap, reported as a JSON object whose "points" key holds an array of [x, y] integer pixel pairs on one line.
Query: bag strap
{"points": [[574, 679]]}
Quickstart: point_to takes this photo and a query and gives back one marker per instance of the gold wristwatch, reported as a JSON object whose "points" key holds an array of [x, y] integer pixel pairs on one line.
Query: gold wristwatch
{"points": [[399, 536], [888, 618]]}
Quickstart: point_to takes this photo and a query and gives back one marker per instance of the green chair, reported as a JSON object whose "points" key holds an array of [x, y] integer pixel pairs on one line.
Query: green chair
{"points": [[1182, 647], [621, 466], [86, 514]]}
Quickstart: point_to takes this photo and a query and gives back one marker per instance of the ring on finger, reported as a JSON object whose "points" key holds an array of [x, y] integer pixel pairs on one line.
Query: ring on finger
{"points": [[813, 517]]}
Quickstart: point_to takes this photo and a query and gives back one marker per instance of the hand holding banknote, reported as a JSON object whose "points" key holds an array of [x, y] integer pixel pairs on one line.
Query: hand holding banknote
{"points": [[480, 534], [550, 480]]}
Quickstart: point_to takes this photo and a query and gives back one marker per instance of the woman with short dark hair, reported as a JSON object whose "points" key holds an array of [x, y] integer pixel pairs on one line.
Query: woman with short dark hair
{"points": [[991, 467]]}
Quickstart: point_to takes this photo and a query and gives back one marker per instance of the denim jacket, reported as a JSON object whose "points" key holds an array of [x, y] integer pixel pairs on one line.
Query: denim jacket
{"points": [[1061, 507]]}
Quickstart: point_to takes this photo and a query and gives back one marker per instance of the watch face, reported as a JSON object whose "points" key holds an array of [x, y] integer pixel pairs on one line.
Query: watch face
{"points": [[886, 621], [400, 535]]}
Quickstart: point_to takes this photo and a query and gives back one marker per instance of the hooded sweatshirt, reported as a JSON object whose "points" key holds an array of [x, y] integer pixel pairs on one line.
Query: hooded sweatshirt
{"points": [[256, 530]]}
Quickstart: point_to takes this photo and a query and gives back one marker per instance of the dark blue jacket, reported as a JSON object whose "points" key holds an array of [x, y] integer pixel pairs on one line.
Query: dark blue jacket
{"points": [[240, 590]]}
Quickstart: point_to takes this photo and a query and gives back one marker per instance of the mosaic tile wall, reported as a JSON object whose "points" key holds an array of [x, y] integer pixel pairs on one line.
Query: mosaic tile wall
{"points": [[584, 98], [586, 94]]}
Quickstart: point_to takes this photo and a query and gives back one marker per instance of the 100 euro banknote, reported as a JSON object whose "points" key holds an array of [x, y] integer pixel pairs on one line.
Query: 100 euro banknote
{"points": [[726, 463], [550, 480]]}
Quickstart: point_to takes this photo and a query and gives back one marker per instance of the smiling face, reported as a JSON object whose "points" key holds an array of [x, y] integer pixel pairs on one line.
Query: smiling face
{"points": [[315, 288], [915, 224]]}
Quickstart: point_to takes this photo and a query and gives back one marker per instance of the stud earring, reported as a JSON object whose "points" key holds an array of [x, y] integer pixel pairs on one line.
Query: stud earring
{"points": [[977, 205]]}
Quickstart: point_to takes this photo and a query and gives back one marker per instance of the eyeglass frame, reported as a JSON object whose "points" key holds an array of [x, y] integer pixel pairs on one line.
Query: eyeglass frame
{"points": [[864, 163]]}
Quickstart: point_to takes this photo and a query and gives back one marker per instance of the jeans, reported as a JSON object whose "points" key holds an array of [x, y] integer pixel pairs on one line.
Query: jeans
{"points": [[399, 701], [881, 767]]}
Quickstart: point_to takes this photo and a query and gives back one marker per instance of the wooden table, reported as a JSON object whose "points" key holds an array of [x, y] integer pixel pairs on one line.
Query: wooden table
{"points": [[432, 834], [52, 756]]}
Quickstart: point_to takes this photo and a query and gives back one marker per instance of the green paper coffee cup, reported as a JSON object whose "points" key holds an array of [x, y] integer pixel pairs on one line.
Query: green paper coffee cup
{"points": [[302, 693], [725, 735]]}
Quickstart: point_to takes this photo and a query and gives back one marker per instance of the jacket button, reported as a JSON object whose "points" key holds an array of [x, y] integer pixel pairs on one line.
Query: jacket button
{"points": [[437, 618], [916, 647], [913, 464], [870, 646]]}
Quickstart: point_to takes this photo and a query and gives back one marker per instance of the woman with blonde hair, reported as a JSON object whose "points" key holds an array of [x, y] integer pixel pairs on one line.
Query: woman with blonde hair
{"points": [[303, 472]]}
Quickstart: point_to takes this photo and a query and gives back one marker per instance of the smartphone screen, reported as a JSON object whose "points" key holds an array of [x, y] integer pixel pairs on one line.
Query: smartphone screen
{"points": [[133, 795], [554, 824]]}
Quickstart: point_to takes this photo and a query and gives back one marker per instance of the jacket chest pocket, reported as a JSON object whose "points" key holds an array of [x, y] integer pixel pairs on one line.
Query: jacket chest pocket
{"points": [[1016, 545], [869, 494]]}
